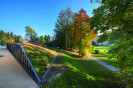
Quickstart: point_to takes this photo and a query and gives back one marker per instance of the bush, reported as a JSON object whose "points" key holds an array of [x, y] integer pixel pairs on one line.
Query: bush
{"points": [[96, 51], [85, 52]]}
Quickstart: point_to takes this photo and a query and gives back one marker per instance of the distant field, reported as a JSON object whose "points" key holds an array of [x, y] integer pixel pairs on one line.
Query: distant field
{"points": [[103, 55]]}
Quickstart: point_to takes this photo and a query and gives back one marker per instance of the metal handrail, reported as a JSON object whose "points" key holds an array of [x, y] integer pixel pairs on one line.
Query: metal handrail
{"points": [[30, 64], [48, 70], [21, 56], [18, 51]]}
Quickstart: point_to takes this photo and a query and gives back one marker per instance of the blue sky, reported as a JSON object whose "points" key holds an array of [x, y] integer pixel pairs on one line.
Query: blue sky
{"points": [[40, 15]]}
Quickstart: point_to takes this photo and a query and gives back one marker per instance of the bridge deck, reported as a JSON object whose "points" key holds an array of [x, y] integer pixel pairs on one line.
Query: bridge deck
{"points": [[12, 75]]}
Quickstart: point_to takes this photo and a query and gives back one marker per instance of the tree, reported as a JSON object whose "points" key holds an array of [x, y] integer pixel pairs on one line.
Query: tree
{"points": [[116, 16], [114, 19], [63, 21], [2, 37], [42, 41], [48, 37], [37, 39], [30, 34], [20, 38], [83, 34], [15, 38], [11, 34], [10, 39]]}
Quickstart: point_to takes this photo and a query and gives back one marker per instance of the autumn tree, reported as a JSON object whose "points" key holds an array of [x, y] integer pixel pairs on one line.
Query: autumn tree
{"points": [[78, 32], [83, 34], [30, 34], [10, 39]]}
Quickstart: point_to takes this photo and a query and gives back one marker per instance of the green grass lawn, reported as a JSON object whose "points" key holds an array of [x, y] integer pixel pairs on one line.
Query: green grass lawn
{"points": [[39, 58], [83, 74], [104, 56]]}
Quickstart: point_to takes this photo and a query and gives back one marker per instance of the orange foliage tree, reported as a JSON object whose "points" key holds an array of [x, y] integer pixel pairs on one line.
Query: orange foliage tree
{"points": [[83, 34], [10, 39]]}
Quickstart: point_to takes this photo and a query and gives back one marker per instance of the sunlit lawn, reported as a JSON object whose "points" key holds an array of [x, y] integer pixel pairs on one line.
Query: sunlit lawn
{"points": [[83, 74], [104, 56], [39, 58]]}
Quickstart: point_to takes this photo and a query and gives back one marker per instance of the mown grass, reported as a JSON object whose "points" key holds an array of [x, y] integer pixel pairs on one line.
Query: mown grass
{"points": [[39, 58], [83, 74], [104, 56]]}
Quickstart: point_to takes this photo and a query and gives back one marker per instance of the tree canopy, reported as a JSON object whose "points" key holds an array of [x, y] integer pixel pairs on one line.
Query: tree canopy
{"points": [[9, 37], [42, 40], [76, 30], [31, 35], [114, 19]]}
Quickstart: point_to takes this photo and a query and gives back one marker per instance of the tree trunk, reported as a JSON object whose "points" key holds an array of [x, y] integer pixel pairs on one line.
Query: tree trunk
{"points": [[80, 47], [66, 34]]}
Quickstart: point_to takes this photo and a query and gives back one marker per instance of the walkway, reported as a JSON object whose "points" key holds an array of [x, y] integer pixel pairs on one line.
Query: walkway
{"points": [[12, 75], [105, 64]]}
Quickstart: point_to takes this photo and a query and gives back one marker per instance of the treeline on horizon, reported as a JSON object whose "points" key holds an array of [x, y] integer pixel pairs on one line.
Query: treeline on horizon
{"points": [[32, 36], [9, 37]]}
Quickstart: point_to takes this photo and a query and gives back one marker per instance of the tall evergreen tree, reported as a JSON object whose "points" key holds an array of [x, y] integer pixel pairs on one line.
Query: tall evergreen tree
{"points": [[63, 21]]}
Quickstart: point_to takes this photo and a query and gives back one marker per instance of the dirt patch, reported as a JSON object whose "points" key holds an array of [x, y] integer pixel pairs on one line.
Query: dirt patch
{"points": [[56, 70]]}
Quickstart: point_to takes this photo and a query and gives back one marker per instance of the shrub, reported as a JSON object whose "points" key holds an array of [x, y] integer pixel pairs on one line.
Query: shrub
{"points": [[96, 51]]}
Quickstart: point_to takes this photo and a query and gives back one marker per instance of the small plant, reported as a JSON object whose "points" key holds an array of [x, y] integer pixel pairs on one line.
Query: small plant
{"points": [[96, 51]]}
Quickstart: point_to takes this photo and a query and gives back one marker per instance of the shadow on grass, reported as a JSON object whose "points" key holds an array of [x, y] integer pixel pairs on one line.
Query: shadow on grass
{"points": [[84, 74]]}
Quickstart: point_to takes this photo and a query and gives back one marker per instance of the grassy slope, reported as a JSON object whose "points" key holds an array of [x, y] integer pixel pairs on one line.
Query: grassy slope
{"points": [[104, 56], [39, 58], [83, 74]]}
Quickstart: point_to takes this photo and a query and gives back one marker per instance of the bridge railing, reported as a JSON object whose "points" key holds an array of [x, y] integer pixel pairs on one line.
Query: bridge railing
{"points": [[19, 53]]}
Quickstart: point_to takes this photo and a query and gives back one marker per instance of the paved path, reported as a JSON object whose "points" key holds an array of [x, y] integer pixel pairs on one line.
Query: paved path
{"points": [[105, 64], [12, 75]]}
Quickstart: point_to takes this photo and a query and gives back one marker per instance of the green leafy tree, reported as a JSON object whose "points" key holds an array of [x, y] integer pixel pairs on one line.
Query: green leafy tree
{"points": [[15, 38], [42, 40], [62, 24], [20, 38], [2, 37], [11, 34], [37, 39], [48, 37], [114, 18]]}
